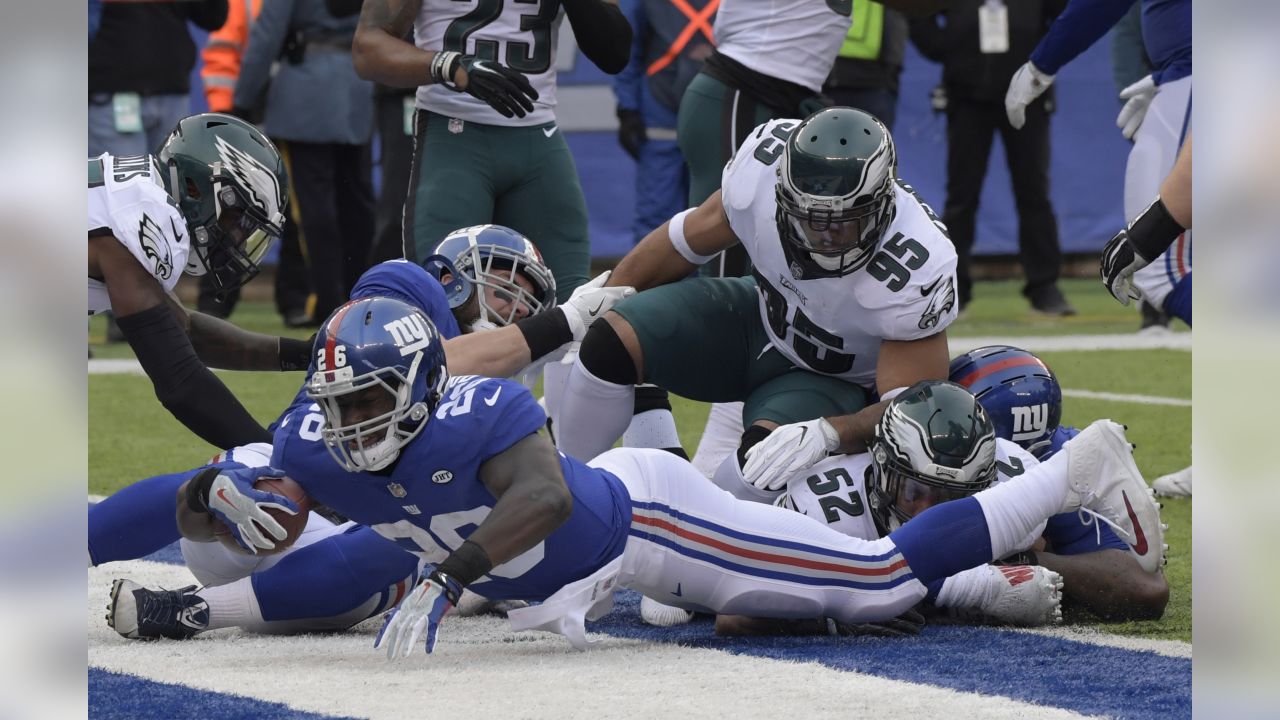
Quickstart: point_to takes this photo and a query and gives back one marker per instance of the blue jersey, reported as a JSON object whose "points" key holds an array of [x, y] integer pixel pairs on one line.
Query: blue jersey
{"points": [[1065, 533], [404, 281], [1166, 33], [431, 499]]}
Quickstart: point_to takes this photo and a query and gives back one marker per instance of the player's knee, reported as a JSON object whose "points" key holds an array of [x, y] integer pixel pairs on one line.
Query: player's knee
{"points": [[605, 356], [1149, 597], [750, 437]]}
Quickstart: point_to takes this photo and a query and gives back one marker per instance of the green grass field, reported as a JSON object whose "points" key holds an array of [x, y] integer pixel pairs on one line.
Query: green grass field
{"points": [[131, 436]]}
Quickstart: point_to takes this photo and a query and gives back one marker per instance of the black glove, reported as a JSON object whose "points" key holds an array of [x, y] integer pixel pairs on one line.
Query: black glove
{"points": [[907, 624], [503, 89], [631, 132]]}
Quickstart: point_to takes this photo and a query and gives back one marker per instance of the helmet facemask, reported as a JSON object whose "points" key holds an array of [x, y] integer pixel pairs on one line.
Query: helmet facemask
{"points": [[372, 443], [230, 246], [494, 269], [839, 240]]}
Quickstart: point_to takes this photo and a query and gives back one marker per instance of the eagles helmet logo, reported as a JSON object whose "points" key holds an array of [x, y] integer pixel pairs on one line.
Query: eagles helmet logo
{"points": [[156, 248], [257, 179]]}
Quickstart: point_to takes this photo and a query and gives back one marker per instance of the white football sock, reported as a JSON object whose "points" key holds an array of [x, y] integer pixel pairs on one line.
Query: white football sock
{"points": [[593, 414], [555, 375], [975, 587], [652, 429], [720, 438], [1014, 509], [232, 605], [729, 477]]}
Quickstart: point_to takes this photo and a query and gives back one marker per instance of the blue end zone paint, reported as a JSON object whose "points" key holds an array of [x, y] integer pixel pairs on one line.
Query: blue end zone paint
{"points": [[114, 695], [1082, 677]]}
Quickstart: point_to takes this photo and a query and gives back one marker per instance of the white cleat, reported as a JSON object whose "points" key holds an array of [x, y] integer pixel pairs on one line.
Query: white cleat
{"points": [[1106, 483], [657, 614], [1174, 484]]}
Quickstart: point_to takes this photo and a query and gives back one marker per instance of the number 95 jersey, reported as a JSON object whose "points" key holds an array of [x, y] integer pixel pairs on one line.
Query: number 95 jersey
{"points": [[520, 34], [834, 325]]}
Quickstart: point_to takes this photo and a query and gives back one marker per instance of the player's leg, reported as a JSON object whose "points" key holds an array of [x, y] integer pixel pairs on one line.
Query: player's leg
{"points": [[539, 195], [697, 547], [450, 184], [689, 337]]}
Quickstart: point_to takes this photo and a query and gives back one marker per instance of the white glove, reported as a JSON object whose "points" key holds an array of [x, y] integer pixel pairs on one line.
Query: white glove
{"points": [[1028, 595], [1138, 97], [592, 300], [787, 451], [1027, 85], [243, 509]]}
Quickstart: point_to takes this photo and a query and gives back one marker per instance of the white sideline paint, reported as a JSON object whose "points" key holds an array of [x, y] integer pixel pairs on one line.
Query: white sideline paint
{"points": [[341, 674], [1034, 343], [1123, 397]]}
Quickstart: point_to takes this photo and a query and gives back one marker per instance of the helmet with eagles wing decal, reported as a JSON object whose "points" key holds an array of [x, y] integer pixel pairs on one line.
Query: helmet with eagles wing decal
{"points": [[230, 184]]}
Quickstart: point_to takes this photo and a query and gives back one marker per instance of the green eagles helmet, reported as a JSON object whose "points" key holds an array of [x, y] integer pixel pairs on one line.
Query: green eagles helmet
{"points": [[934, 443], [835, 192], [230, 184]]}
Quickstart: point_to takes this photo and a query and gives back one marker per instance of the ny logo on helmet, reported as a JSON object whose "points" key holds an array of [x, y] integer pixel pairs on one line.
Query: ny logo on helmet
{"points": [[409, 334], [1030, 422]]}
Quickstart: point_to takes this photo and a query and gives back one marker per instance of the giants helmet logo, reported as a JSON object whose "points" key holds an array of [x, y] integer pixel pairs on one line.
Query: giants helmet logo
{"points": [[1031, 422]]}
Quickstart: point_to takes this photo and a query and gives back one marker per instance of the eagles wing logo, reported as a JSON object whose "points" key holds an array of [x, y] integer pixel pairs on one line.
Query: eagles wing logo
{"points": [[156, 248], [943, 299], [257, 179]]}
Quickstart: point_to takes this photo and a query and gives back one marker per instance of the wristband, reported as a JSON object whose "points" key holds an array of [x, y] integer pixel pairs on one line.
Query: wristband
{"points": [[443, 66], [198, 490], [295, 354], [675, 230], [466, 564], [1154, 230], [545, 332]]}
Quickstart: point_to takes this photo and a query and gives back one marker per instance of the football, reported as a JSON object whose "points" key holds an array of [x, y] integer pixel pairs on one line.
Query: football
{"points": [[293, 524]]}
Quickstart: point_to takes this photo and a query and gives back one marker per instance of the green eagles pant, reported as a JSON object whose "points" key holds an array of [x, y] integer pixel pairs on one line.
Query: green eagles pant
{"points": [[467, 173], [703, 338]]}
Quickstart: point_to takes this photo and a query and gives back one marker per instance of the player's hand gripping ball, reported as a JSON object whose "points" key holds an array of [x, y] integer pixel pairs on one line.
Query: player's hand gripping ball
{"points": [[262, 518]]}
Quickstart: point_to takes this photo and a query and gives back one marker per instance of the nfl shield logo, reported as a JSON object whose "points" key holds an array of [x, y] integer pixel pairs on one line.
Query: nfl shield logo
{"points": [[796, 271], [396, 489], [455, 125]]}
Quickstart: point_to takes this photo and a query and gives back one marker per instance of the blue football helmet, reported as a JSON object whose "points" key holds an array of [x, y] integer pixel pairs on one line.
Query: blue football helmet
{"points": [[379, 374], [458, 289], [481, 251], [1018, 390]]}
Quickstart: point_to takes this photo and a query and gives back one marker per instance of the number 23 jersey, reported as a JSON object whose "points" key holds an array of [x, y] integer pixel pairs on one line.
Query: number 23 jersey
{"points": [[431, 499], [834, 325]]}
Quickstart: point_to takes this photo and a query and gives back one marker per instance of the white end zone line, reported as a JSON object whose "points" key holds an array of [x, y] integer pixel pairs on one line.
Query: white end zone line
{"points": [[1127, 398]]}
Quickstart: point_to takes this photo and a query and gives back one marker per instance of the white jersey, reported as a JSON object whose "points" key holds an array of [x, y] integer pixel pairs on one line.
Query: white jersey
{"points": [[492, 29], [792, 40], [834, 492], [128, 202], [834, 325]]}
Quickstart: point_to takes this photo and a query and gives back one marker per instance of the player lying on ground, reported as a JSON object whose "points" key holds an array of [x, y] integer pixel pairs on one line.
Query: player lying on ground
{"points": [[208, 202], [853, 287], [502, 512], [140, 519]]}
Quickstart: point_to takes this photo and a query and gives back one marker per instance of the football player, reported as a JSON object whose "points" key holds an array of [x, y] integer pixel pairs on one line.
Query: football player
{"points": [[503, 512], [852, 289], [140, 519], [208, 202], [1156, 115]]}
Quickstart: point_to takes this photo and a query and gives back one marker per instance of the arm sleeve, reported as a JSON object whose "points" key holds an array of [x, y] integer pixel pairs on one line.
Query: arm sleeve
{"points": [[603, 34], [188, 389], [627, 84], [207, 14], [265, 40], [1080, 25]]}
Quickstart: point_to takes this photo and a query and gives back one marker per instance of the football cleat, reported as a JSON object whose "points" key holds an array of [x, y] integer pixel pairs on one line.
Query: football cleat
{"points": [[1174, 484], [1105, 484], [659, 615], [138, 613]]}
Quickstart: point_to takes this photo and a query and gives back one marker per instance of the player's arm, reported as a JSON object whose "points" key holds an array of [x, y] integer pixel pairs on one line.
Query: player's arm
{"points": [[380, 51], [902, 363], [220, 344], [602, 32], [1110, 584], [188, 389], [533, 499], [690, 239]]}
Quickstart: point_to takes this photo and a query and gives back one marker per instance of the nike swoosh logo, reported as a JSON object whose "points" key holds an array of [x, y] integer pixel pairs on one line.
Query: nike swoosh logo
{"points": [[550, 131], [927, 289], [493, 398], [222, 493], [597, 310], [1140, 546], [677, 592], [803, 431]]}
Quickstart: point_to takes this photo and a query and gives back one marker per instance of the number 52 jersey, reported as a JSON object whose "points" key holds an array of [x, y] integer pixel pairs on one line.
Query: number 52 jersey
{"points": [[834, 325]]}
